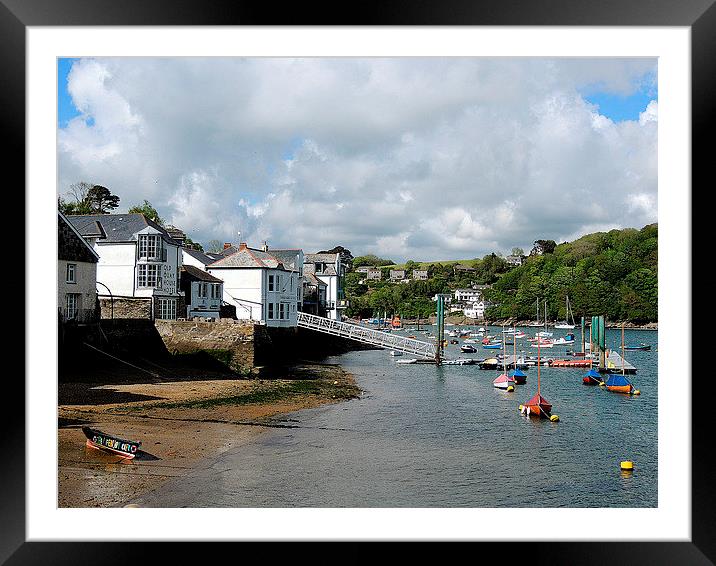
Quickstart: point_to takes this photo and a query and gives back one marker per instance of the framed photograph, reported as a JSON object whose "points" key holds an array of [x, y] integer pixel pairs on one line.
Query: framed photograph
{"points": [[125, 93]]}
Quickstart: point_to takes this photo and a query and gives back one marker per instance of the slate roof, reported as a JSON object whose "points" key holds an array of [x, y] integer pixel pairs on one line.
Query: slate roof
{"points": [[196, 273], [116, 227], [248, 258], [199, 256], [71, 246], [311, 279], [321, 258], [287, 257]]}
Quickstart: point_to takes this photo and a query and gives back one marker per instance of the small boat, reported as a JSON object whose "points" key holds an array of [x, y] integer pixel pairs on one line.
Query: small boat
{"points": [[519, 376], [396, 353], [538, 406], [468, 348], [642, 346], [458, 362], [566, 323], [618, 383], [592, 377], [103, 441], [408, 361], [489, 363], [453, 341], [504, 381], [495, 346], [567, 340], [470, 341]]}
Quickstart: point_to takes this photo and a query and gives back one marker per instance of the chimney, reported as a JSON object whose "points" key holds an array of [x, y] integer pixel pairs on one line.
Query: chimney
{"points": [[265, 246], [227, 245], [242, 246]]}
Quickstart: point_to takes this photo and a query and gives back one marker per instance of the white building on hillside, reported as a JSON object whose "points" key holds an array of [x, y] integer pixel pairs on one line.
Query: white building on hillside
{"points": [[259, 285], [137, 259]]}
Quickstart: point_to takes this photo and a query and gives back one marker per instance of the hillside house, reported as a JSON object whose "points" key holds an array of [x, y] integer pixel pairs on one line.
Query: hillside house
{"points": [[420, 274], [397, 274]]}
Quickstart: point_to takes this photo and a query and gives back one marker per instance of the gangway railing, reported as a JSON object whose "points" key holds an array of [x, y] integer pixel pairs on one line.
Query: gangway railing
{"points": [[367, 335]]}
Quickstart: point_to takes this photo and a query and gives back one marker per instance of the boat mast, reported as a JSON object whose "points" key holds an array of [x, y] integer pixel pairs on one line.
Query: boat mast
{"points": [[514, 347], [622, 348], [538, 368]]}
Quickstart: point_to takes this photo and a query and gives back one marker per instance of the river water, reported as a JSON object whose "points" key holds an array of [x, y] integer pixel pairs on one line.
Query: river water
{"points": [[427, 436]]}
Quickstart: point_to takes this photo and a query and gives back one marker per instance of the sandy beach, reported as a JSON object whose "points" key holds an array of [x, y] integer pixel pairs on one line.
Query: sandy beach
{"points": [[180, 424]]}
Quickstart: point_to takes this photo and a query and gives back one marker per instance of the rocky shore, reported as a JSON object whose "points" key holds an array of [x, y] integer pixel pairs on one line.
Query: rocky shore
{"points": [[181, 423]]}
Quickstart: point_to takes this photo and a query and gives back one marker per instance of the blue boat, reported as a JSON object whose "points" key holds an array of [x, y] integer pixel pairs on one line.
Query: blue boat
{"points": [[493, 346], [519, 376], [592, 377]]}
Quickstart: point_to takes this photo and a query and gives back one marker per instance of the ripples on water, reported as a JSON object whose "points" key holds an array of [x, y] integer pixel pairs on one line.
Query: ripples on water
{"points": [[426, 436]]}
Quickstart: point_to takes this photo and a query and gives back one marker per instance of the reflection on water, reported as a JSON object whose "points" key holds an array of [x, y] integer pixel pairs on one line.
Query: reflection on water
{"points": [[423, 436]]}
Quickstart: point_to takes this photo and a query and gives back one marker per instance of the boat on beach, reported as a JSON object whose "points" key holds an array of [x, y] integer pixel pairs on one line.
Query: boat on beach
{"points": [[103, 441]]}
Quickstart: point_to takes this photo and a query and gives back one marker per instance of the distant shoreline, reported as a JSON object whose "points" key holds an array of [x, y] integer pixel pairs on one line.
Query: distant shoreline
{"points": [[453, 319]]}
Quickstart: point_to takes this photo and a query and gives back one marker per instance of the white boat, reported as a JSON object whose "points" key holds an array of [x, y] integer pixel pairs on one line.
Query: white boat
{"points": [[396, 353], [409, 361], [544, 334], [452, 334], [469, 341], [566, 324]]}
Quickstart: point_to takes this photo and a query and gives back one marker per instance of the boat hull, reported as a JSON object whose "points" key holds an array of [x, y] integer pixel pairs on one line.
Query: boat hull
{"points": [[101, 441], [619, 388]]}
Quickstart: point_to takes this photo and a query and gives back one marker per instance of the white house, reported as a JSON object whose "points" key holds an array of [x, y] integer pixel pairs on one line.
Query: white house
{"points": [[196, 258], [203, 292], [475, 310], [76, 274], [137, 259], [467, 295], [259, 285], [329, 269]]}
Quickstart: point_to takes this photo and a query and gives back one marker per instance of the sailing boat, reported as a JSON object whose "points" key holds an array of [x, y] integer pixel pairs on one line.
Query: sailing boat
{"points": [[566, 323], [538, 406], [544, 333], [504, 381], [618, 383], [517, 374], [537, 323]]}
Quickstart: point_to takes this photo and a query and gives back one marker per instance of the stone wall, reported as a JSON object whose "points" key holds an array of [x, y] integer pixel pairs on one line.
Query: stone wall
{"points": [[229, 341], [126, 307]]}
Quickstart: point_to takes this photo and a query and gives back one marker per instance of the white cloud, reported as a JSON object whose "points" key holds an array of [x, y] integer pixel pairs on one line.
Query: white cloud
{"points": [[408, 157]]}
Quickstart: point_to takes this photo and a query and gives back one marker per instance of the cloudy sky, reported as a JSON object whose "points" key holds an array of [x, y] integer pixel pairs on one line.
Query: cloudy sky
{"points": [[407, 158]]}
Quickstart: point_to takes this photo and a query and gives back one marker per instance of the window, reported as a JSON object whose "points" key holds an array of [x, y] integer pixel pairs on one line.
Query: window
{"points": [[150, 247], [282, 311], [71, 273], [270, 311], [72, 302], [148, 275], [167, 309], [270, 283], [215, 291]]}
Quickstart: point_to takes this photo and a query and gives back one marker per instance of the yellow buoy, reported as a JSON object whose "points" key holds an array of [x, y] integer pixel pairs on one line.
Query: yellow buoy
{"points": [[510, 388], [521, 407], [636, 392], [554, 418], [602, 384], [627, 465]]}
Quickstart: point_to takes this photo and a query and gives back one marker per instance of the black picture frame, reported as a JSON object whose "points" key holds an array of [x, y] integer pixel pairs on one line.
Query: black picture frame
{"points": [[698, 15]]}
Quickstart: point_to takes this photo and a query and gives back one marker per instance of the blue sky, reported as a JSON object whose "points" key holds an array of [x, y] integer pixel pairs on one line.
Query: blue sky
{"points": [[65, 108], [619, 108]]}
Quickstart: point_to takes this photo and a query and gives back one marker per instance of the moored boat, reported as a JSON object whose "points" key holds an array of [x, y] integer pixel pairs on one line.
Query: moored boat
{"points": [[642, 346], [468, 348], [98, 439], [592, 377], [519, 376]]}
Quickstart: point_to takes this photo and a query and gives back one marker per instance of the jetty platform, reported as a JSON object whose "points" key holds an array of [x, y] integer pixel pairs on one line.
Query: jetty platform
{"points": [[614, 364]]}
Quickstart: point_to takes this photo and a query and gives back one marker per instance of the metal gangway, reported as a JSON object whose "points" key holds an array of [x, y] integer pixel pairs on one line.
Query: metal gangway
{"points": [[360, 333]]}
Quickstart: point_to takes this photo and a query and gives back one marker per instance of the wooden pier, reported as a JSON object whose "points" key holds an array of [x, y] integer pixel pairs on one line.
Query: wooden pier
{"points": [[614, 364]]}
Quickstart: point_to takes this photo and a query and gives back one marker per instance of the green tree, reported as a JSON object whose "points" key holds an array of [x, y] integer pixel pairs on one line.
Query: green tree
{"points": [[101, 200], [149, 211]]}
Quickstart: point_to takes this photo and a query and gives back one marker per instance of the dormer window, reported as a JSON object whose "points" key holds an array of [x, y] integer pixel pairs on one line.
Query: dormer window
{"points": [[150, 247]]}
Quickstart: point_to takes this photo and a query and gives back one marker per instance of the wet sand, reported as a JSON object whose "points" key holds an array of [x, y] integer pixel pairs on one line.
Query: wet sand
{"points": [[181, 424]]}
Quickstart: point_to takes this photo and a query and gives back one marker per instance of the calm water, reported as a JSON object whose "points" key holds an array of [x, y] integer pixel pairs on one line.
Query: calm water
{"points": [[423, 436]]}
